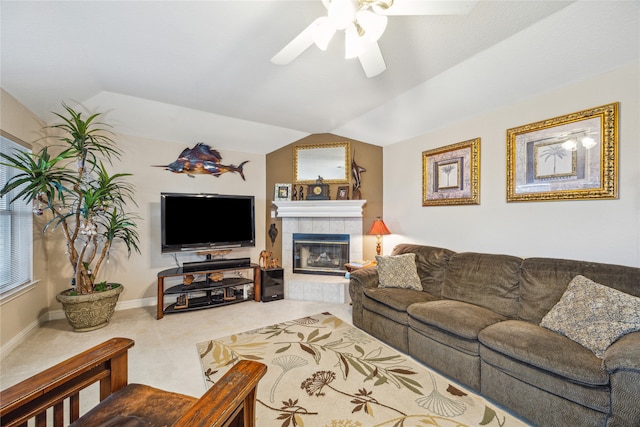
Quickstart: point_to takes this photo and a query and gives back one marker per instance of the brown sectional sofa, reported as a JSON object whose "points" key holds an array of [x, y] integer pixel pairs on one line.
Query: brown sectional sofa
{"points": [[477, 321]]}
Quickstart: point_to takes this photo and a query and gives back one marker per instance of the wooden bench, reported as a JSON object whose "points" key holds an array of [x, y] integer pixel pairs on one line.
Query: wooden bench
{"points": [[229, 402]]}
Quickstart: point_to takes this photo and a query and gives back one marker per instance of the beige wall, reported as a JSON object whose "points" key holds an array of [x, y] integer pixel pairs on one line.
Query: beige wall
{"points": [[279, 167], [139, 273], [20, 313], [598, 230]]}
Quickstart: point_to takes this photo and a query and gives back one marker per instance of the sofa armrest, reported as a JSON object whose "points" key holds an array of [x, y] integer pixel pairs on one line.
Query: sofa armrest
{"points": [[366, 277], [623, 354], [360, 279], [622, 361]]}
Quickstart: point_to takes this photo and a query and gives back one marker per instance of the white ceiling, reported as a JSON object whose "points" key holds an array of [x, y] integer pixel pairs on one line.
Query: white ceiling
{"points": [[189, 71]]}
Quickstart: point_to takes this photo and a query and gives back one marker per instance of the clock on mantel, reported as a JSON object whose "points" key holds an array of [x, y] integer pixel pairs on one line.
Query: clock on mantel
{"points": [[318, 192]]}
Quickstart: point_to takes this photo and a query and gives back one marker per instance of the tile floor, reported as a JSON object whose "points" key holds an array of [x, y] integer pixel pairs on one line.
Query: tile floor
{"points": [[164, 355]]}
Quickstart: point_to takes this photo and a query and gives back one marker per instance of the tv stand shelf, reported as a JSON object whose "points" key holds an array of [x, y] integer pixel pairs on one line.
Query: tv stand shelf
{"points": [[209, 293]]}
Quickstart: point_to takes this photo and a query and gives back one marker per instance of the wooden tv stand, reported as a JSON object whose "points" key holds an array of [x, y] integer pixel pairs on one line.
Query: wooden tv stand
{"points": [[212, 290]]}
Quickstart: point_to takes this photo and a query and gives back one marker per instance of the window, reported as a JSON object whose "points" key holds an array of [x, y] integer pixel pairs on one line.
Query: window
{"points": [[16, 230]]}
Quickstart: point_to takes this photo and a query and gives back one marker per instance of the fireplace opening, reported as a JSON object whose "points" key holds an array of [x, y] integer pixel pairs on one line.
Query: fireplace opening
{"points": [[320, 253]]}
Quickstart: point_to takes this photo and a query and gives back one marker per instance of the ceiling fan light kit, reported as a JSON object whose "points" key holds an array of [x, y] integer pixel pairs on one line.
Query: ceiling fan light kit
{"points": [[371, 24], [364, 22]]}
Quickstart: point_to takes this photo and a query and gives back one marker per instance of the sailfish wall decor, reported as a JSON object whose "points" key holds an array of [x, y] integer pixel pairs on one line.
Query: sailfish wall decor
{"points": [[202, 159]]}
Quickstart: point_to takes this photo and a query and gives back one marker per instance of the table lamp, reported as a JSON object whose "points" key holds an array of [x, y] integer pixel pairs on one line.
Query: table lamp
{"points": [[378, 228]]}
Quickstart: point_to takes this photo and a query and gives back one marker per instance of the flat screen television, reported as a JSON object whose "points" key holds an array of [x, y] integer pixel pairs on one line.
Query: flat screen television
{"points": [[197, 221]]}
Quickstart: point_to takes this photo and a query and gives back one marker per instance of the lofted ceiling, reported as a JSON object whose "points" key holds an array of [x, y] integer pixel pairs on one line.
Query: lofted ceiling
{"points": [[189, 71]]}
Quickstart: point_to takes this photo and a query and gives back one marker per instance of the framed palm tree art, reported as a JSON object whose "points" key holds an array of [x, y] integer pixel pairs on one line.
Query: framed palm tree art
{"points": [[571, 157], [451, 174]]}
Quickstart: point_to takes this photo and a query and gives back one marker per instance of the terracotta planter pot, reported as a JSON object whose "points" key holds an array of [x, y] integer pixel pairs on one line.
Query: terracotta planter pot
{"points": [[89, 312]]}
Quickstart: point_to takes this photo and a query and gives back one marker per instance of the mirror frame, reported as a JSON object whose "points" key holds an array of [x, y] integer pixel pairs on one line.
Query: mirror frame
{"points": [[305, 169]]}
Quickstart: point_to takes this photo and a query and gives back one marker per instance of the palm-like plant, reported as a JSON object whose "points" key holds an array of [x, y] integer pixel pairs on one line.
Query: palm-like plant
{"points": [[84, 200]]}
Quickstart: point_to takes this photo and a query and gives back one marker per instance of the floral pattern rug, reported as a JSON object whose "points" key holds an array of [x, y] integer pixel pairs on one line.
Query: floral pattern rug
{"points": [[323, 372]]}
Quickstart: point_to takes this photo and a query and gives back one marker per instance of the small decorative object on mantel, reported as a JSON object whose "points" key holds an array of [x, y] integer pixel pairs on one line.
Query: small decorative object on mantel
{"points": [[202, 159], [356, 172], [343, 193], [301, 193], [318, 191], [282, 192], [294, 195]]}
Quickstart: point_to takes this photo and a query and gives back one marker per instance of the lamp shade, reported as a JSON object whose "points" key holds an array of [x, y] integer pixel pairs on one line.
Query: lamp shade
{"points": [[379, 228]]}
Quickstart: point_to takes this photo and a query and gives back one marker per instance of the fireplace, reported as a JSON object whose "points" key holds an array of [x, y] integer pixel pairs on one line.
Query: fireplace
{"points": [[320, 253], [319, 217]]}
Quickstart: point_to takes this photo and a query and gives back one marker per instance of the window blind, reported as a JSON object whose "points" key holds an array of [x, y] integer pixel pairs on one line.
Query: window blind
{"points": [[16, 229]]}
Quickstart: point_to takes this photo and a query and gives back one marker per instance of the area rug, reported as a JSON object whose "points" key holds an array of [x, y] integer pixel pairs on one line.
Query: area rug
{"points": [[323, 372]]}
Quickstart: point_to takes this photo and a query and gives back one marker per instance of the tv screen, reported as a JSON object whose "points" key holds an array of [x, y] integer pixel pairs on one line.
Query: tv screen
{"points": [[191, 222]]}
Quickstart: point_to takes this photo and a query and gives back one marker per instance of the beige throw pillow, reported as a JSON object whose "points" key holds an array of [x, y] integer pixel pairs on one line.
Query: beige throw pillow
{"points": [[593, 315], [398, 271]]}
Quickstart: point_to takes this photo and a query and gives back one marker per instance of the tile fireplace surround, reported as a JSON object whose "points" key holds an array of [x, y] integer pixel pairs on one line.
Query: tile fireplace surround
{"points": [[320, 217]]}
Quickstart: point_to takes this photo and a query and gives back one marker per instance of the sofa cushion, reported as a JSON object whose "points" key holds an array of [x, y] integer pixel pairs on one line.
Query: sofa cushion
{"points": [[458, 318], [398, 271], [431, 263], [393, 303], [544, 349], [593, 315], [487, 280], [500, 374], [544, 280]]}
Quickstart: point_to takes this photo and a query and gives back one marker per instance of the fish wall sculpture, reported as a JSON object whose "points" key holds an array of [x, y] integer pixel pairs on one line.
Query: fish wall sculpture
{"points": [[202, 159]]}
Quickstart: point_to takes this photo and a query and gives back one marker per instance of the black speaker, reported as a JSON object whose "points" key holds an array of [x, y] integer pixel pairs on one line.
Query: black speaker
{"points": [[272, 284]]}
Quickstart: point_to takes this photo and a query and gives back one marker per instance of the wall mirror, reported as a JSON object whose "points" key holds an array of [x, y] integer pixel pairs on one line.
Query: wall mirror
{"points": [[330, 161]]}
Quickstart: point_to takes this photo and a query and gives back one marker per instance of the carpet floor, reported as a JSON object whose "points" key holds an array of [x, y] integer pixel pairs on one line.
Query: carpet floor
{"points": [[324, 372]]}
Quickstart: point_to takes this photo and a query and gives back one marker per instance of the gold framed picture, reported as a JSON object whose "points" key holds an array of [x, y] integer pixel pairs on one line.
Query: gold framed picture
{"points": [[451, 174], [571, 157]]}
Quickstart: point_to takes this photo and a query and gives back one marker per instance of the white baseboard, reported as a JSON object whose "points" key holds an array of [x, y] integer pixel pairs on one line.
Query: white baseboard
{"points": [[59, 314], [22, 336]]}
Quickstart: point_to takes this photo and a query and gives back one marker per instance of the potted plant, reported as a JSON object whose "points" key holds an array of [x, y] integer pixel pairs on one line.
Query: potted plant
{"points": [[84, 202]]}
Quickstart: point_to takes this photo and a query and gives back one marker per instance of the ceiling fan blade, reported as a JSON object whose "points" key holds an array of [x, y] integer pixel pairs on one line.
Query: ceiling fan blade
{"points": [[295, 47], [417, 7], [371, 60]]}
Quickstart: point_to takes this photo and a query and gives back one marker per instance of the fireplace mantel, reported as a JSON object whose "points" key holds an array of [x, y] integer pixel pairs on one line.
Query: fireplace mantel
{"points": [[320, 208]]}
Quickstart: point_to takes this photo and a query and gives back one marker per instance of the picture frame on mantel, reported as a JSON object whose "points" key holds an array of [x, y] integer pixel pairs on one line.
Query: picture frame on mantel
{"points": [[451, 174], [343, 193], [282, 192], [570, 157]]}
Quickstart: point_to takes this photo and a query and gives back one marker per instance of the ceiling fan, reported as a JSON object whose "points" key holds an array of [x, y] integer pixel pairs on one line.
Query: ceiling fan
{"points": [[364, 22]]}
